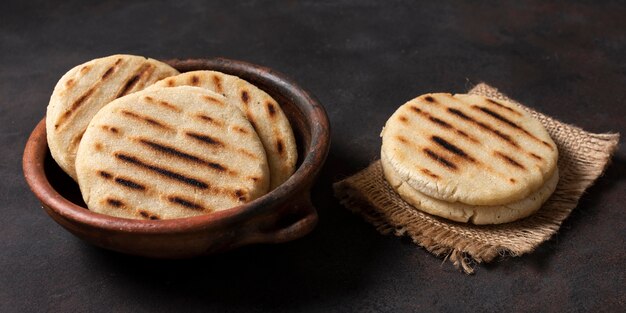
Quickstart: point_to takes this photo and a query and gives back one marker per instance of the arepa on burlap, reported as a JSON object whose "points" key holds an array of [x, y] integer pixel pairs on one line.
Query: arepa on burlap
{"points": [[85, 89], [265, 114], [170, 153], [583, 156], [469, 149]]}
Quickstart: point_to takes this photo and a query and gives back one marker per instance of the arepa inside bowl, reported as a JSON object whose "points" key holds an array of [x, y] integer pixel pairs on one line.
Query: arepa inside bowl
{"points": [[284, 214]]}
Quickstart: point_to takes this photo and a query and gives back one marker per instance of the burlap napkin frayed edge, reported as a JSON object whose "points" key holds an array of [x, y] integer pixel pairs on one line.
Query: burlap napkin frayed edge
{"points": [[583, 156]]}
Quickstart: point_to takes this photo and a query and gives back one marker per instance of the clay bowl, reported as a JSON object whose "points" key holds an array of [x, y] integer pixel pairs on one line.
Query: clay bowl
{"points": [[284, 214]]}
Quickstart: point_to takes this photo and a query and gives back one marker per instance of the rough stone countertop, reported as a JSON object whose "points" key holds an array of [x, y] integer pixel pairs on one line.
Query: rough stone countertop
{"points": [[362, 60]]}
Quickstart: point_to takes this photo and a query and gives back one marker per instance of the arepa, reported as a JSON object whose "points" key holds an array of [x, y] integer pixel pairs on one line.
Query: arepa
{"points": [[262, 111], [86, 88], [468, 149], [466, 213], [170, 153]]}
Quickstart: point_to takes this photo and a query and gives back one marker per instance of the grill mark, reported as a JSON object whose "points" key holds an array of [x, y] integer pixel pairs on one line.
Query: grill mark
{"points": [[443, 124], [509, 123], [98, 146], [403, 119], [440, 122], [431, 118], [499, 117], [115, 202], [280, 147], [547, 145], [147, 119], [162, 103], [271, 109], [440, 159], [205, 139], [217, 82], [500, 105], [161, 171], [452, 148], [460, 114], [129, 183], [110, 129], [508, 159], [536, 156], [168, 105], [247, 153], [69, 83], [241, 130], [512, 180], [170, 82], [240, 195], [482, 125], [127, 86], [75, 105], [209, 119], [122, 181], [254, 179], [429, 173], [146, 75], [402, 139], [462, 133], [194, 81], [133, 80], [185, 203], [430, 99], [465, 135], [85, 69], [212, 100], [82, 98], [183, 155], [108, 72], [148, 215], [244, 97]]}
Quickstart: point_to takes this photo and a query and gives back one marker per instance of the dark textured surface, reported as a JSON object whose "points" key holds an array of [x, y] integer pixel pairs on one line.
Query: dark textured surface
{"points": [[361, 61]]}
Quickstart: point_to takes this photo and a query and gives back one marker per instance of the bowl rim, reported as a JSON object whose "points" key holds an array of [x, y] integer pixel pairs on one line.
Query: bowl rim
{"points": [[36, 149]]}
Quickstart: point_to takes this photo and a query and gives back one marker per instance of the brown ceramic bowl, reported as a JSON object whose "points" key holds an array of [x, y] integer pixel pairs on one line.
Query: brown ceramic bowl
{"points": [[284, 214]]}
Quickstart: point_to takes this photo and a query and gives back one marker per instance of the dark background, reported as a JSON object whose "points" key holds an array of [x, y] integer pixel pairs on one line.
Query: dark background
{"points": [[362, 60]]}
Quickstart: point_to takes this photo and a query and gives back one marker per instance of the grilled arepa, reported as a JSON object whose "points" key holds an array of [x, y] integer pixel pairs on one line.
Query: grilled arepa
{"points": [[262, 111], [86, 88], [466, 213], [468, 149], [170, 153]]}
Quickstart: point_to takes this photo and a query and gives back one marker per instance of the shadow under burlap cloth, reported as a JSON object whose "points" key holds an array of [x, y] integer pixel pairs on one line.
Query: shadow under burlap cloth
{"points": [[583, 156]]}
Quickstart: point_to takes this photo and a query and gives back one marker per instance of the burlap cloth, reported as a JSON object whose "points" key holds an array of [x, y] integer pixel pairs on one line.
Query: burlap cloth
{"points": [[583, 157]]}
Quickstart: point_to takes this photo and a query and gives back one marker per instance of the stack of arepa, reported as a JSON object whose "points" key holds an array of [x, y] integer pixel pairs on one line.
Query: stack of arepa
{"points": [[146, 148], [469, 158]]}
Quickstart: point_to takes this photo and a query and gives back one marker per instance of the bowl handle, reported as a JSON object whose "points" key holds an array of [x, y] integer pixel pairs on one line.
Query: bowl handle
{"points": [[298, 219]]}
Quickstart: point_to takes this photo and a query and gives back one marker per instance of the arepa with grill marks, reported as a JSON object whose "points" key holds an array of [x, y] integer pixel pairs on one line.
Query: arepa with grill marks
{"points": [[170, 153], [468, 149], [85, 89], [265, 114]]}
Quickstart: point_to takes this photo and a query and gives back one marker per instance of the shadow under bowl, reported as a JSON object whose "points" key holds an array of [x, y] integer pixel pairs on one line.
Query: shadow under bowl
{"points": [[284, 214]]}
